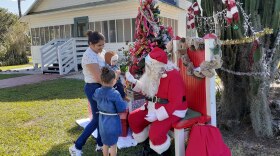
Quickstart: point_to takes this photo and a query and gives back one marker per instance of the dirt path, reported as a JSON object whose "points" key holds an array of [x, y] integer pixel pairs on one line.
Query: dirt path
{"points": [[29, 79]]}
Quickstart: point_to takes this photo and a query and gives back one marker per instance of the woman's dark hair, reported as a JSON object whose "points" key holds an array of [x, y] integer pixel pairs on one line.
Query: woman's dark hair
{"points": [[107, 75], [94, 37]]}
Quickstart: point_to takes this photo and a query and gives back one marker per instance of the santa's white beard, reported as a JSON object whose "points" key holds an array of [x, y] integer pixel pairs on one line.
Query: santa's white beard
{"points": [[150, 82]]}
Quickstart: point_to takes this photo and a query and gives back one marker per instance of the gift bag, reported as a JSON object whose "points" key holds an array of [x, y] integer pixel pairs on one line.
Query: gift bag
{"points": [[206, 140]]}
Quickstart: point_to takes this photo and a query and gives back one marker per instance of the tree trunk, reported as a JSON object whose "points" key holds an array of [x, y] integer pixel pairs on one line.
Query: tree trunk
{"points": [[19, 8], [247, 95]]}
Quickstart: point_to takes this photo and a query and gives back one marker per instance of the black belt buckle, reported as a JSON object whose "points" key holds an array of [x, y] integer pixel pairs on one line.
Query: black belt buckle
{"points": [[155, 99]]}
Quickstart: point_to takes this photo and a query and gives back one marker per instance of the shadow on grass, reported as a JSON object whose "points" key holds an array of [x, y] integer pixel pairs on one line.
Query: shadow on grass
{"points": [[47, 90], [77, 130]]}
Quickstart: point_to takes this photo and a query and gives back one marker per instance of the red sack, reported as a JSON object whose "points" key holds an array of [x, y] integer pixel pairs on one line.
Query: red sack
{"points": [[206, 140]]}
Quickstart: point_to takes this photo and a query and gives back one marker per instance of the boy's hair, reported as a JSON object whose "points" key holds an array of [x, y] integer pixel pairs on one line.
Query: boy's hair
{"points": [[107, 75], [108, 56]]}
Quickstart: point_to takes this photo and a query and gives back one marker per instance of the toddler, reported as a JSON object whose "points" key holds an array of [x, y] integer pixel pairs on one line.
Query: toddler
{"points": [[109, 104]]}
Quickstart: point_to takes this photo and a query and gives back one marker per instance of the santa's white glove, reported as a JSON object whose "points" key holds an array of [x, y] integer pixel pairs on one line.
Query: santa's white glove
{"points": [[130, 78], [151, 117]]}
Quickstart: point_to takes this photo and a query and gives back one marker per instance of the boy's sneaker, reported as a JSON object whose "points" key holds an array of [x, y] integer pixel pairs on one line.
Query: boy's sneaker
{"points": [[74, 151], [98, 148]]}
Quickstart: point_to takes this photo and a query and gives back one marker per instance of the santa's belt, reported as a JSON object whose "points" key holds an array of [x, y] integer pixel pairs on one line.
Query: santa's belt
{"points": [[156, 99]]}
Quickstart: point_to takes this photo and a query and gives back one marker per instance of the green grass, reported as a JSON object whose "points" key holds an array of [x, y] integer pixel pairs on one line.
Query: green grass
{"points": [[39, 119], [4, 68], [7, 76]]}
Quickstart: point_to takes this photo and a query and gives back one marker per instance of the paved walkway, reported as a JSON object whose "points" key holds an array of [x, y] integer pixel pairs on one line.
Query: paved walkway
{"points": [[29, 79]]}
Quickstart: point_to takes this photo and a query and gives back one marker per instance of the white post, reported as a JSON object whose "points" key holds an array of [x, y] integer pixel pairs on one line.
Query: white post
{"points": [[179, 142], [174, 51], [210, 84], [59, 60], [42, 59], [75, 54]]}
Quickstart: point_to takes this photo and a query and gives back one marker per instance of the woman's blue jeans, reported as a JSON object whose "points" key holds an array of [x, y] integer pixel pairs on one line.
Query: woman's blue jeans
{"points": [[89, 90]]}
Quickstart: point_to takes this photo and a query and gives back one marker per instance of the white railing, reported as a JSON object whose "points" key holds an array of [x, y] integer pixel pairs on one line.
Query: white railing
{"points": [[67, 57], [81, 47], [67, 54], [49, 53]]}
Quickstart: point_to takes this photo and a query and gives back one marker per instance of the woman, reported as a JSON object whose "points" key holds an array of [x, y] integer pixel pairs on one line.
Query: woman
{"points": [[92, 62]]}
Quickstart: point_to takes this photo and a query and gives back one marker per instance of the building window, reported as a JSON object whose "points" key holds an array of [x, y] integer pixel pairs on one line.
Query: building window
{"points": [[91, 26], [176, 28], [37, 37], [120, 31], [105, 30], [68, 31], [42, 36], [169, 22], [97, 26], [47, 34], [112, 31], [56, 32], [62, 34], [133, 28], [51, 29], [33, 36], [127, 28], [165, 23]]}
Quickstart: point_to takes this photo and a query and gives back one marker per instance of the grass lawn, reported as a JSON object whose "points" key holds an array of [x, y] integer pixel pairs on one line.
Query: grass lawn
{"points": [[7, 76], [4, 68], [39, 119]]}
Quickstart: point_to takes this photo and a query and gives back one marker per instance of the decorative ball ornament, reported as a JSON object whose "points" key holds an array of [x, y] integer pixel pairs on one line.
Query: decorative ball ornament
{"points": [[235, 27]]}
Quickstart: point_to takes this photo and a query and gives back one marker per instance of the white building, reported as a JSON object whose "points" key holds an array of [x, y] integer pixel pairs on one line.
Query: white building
{"points": [[58, 27]]}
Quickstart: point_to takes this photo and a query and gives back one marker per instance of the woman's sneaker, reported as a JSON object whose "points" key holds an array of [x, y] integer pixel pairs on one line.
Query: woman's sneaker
{"points": [[98, 148], [74, 151]]}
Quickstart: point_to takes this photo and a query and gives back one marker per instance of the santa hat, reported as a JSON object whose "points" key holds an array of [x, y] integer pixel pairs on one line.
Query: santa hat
{"points": [[109, 55], [157, 57]]}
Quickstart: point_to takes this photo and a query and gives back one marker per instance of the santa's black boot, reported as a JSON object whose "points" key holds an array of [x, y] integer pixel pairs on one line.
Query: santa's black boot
{"points": [[146, 150], [166, 153]]}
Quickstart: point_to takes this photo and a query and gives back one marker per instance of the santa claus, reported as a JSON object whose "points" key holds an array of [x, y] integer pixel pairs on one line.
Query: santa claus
{"points": [[166, 102]]}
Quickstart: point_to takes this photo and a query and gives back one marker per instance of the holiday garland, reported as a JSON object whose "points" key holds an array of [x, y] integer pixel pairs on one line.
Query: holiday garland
{"points": [[257, 35]]}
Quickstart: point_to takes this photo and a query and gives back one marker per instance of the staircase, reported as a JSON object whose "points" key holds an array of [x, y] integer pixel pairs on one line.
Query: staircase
{"points": [[62, 56]]}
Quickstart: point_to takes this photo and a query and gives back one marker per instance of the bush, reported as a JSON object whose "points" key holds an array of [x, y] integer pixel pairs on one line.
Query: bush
{"points": [[14, 40], [14, 50]]}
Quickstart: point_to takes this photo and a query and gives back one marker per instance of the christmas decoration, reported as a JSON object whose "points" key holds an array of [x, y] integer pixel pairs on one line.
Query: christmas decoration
{"points": [[149, 33], [257, 35], [232, 11], [192, 11], [206, 68]]}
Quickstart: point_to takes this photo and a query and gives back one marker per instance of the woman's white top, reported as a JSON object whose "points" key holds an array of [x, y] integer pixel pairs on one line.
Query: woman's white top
{"points": [[90, 57]]}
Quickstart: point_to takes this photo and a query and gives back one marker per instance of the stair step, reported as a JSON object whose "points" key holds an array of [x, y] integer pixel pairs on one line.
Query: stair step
{"points": [[53, 68], [51, 71]]}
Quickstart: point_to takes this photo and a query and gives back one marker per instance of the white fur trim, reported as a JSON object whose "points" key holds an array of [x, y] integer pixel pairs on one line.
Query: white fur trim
{"points": [[138, 86], [180, 113], [164, 75], [161, 114], [152, 62], [170, 66], [143, 107], [234, 10], [229, 15], [161, 148], [151, 107], [142, 136]]}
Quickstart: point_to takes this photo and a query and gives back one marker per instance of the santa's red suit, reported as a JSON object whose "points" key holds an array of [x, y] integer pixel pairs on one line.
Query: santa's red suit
{"points": [[163, 108]]}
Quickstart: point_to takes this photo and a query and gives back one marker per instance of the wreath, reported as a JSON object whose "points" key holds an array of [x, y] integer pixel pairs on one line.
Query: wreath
{"points": [[206, 68]]}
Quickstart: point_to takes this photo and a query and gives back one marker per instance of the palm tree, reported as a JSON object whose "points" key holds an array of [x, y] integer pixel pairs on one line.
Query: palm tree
{"points": [[19, 7]]}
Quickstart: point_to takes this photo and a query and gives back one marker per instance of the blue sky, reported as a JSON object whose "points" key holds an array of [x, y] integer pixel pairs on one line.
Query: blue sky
{"points": [[11, 5]]}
